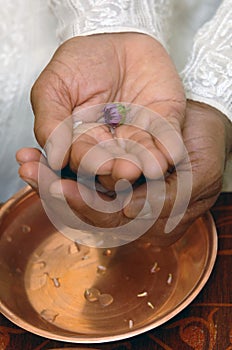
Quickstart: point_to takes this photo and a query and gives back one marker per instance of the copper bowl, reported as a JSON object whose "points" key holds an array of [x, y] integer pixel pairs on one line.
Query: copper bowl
{"points": [[57, 289]]}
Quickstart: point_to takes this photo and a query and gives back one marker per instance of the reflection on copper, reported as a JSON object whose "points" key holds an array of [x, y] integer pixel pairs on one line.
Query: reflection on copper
{"points": [[136, 286]]}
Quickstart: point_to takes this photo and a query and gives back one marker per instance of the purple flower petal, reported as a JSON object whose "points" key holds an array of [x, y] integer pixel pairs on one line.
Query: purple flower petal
{"points": [[111, 115]]}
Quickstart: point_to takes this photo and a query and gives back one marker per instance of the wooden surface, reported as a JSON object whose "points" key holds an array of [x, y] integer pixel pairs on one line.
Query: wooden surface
{"points": [[206, 324]]}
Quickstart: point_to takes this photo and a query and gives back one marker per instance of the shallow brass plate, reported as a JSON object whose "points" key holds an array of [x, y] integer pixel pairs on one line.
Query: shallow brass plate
{"points": [[55, 288]]}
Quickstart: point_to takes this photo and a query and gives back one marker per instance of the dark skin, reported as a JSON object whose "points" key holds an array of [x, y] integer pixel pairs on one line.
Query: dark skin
{"points": [[134, 68], [207, 137], [87, 71]]}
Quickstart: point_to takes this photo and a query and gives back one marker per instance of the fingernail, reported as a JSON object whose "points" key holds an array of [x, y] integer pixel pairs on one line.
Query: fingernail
{"points": [[56, 190], [31, 182]]}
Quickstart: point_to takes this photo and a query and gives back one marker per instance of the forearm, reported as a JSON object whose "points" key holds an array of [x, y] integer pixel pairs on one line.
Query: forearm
{"points": [[87, 17]]}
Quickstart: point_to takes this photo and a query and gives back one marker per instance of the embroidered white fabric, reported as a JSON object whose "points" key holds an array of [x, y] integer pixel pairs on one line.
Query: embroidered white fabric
{"points": [[77, 17], [207, 76]]}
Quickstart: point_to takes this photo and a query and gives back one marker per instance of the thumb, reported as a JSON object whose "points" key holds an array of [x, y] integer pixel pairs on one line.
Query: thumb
{"points": [[166, 199], [53, 122], [163, 121]]}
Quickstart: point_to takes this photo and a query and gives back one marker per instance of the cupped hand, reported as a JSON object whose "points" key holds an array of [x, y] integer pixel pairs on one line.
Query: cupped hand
{"points": [[207, 135], [92, 70], [208, 139]]}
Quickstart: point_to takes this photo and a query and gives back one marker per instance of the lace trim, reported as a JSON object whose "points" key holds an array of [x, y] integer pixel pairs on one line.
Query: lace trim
{"points": [[207, 76], [87, 17]]}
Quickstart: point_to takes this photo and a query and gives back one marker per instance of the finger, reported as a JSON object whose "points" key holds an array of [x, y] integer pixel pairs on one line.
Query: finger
{"points": [[109, 183], [38, 175], [141, 145], [147, 202], [200, 132], [165, 129], [155, 202], [168, 138], [26, 155], [91, 149], [167, 199], [126, 167], [84, 205], [41, 177], [53, 125]]}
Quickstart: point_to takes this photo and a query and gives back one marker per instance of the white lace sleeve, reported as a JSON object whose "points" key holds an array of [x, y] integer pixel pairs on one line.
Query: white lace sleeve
{"points": [[85, 17], [207, 76]]}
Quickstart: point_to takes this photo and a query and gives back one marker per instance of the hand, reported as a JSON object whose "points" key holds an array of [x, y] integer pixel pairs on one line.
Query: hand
{"points": [[87, 71], [207, 135], [208, 138]]}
